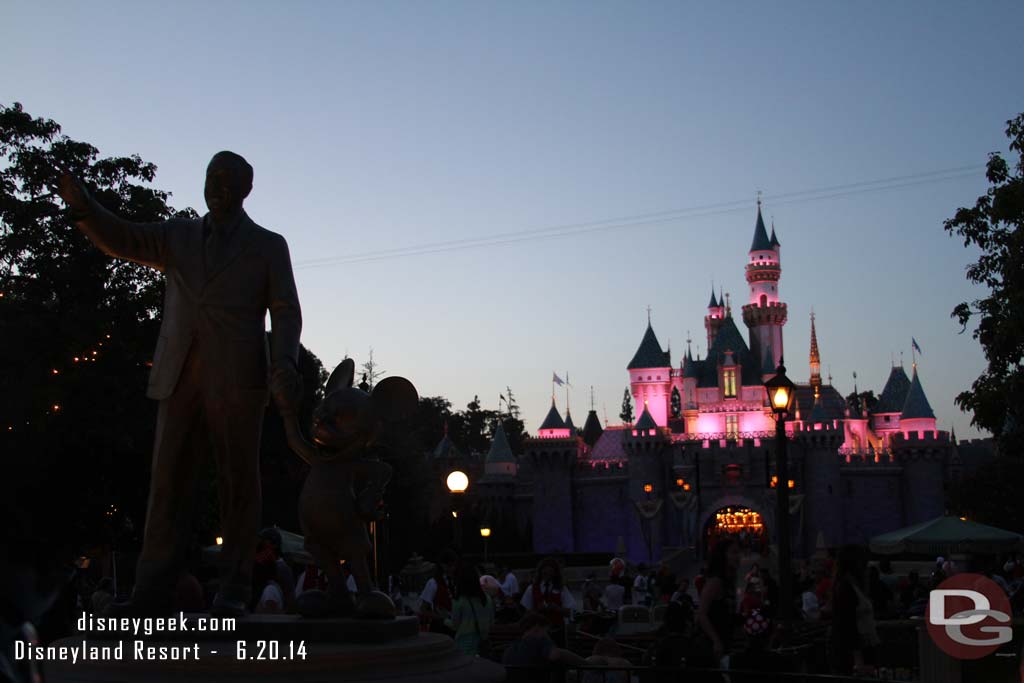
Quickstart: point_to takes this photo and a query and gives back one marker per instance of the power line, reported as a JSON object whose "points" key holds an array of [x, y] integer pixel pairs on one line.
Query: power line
{"points": [[647, 219]]}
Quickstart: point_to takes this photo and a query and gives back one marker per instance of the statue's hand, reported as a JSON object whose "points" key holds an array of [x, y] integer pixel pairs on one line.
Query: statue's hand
{"points": [[73, 192], [286, 388]]}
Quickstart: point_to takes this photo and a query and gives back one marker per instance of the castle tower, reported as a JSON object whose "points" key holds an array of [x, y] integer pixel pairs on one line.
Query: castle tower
{"points": [[917, 414], [650, 376], [553, 455], [713, 320], [815, 359], [765, 314]]}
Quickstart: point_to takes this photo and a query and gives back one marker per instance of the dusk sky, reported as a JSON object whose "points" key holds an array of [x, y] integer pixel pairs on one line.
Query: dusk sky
{"points": [[377, 126]]}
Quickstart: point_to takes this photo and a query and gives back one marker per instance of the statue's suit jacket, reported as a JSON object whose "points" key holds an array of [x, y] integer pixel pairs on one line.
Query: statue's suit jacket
{"points": [[220, 308]]}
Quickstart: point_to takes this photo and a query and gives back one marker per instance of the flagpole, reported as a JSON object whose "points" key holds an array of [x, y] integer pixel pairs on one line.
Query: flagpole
{"points": [[567, 393]]}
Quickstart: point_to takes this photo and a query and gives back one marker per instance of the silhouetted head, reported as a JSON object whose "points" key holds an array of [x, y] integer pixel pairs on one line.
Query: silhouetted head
{"points": [[228, 183], [349, 419]]}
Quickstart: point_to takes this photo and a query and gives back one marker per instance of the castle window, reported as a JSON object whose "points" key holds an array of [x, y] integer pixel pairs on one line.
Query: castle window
{"points": [[732, 427], [764, 299], [729, 383]]}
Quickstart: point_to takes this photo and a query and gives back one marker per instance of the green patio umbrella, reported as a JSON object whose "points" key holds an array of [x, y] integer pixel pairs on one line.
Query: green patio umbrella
{"points": [[947, 535]]}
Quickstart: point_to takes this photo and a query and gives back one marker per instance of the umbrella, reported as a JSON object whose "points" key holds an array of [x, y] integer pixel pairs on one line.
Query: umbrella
{"points": [[292, 548], [946, 535]]}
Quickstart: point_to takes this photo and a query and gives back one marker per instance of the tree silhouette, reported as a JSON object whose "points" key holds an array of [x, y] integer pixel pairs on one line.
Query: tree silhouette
{"points": [[627, 407]]}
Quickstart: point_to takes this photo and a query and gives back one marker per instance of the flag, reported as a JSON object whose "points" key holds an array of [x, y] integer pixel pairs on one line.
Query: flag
{"points": [[913, 343], [556, 379]]}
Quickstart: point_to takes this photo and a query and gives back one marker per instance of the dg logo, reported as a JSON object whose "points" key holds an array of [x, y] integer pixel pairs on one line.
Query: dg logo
{"points": [[968, 616]]}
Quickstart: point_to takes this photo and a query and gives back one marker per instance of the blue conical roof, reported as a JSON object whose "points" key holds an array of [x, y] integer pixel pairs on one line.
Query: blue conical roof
{"points": [[817, 412], [501, 451], [592, 429], [775, 240], [553, 420], [761, 241], [714, 302], [649, 353], [646, 421], [568, 421], [916, 404], [894, 395]]}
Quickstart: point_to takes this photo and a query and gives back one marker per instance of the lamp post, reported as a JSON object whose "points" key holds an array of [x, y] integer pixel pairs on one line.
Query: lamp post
{"points": [[457, 483], [780, 397], [485, 533]]}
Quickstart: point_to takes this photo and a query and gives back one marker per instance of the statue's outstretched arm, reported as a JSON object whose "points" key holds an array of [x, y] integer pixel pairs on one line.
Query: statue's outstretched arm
{"points": [[144, 243]]}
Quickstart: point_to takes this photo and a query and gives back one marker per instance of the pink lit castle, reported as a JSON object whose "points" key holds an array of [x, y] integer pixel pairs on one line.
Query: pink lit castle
{"points": [[699, 460]]}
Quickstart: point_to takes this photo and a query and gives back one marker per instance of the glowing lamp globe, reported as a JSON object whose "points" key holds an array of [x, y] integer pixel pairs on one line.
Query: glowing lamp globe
{"points": [[780, 391], [457, 482], [485, 532]]}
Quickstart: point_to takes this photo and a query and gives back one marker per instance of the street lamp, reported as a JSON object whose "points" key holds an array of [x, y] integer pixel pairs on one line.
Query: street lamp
{"points": [[485, 533], [457, 483], [780, 392]]}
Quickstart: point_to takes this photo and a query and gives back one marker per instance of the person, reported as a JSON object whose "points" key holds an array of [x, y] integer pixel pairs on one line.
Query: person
{"points": [[881, 597], [283, 574], [853, 636], [769, 594], [666, 583], [717, 615], [607, 653], [439, 594], [210, 371], [311, 578], [103, 595], [753, 597], [548, 594], [550, 597], [472, 612], [682, 594], [640, 592], [509, 582], [270, 594], [535, 652], [809, 606], [591, 593], [673, 644], [823, 587], [614, 596]]}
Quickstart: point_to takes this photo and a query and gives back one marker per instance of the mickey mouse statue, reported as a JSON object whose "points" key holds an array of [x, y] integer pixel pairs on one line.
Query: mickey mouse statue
{"points": [[345, 486]]}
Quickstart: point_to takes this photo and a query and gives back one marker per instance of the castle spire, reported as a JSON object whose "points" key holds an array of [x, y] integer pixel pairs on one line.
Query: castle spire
{"points": [[815, 359]]}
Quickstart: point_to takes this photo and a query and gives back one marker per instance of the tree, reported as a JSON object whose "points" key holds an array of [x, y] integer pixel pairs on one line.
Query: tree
{"points": [[372, 371], [77, 333], [627, 407], [994, 225]]}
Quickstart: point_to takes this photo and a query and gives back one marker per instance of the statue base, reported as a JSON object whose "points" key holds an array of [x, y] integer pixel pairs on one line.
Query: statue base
{"points": [[279, 656]]}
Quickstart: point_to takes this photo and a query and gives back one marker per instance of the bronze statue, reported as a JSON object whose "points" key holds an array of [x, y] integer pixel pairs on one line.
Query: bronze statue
{"points": [[211, 369], [345, 486]]}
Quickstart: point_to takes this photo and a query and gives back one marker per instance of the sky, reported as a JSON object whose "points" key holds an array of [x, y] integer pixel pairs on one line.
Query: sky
{"points": [[379, 126]]}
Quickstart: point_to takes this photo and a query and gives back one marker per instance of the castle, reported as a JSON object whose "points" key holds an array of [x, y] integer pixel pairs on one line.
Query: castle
{"points": [[700, 458]]}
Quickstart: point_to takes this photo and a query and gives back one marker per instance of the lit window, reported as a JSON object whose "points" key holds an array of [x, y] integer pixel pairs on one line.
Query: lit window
{"points": [[732, 426], [729, 383]]}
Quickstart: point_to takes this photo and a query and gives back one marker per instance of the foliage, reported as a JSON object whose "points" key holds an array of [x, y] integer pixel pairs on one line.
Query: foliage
{"points": [[994, 225], [627, 407], [76, 438]]}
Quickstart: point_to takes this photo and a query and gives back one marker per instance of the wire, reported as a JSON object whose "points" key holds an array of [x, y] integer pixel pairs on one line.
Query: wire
{"points": [[647, 219]]}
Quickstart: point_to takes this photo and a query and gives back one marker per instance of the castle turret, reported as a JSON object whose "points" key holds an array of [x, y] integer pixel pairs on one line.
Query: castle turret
{"points": [[815, 357], [500, 462], [917, 415], [650, 376], [592, 429], [765, 315], [553, 455], [886, 417], [713, 319]]}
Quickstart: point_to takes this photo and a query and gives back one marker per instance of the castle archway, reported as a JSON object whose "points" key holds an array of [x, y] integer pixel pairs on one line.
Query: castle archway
{"points": [[737, 517]]}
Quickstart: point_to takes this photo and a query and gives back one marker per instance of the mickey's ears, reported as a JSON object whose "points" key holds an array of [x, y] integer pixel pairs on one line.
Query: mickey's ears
{"points": [[394, 399], [342, 376]]}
